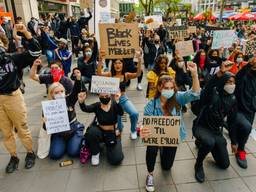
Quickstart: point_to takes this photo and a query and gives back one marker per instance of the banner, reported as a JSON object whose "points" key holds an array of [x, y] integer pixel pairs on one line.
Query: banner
{"points": [[56, 115], [119, 40], [184, 48], [153, 21], [101, 84], [178, 32], [164, 130], [223, 38]]}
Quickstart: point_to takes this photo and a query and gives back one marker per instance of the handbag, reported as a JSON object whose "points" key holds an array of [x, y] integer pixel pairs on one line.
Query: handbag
{"points": [[44, 143], [85, 152]]}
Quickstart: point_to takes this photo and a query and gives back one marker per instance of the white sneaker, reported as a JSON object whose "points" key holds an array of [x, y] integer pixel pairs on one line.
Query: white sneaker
{"points": [[134, 135], [95, 159], [139, 87], [150, 183]]}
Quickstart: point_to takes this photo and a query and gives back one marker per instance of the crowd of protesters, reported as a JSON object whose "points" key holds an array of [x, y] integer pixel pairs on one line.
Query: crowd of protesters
{"points": [[218, 84]]}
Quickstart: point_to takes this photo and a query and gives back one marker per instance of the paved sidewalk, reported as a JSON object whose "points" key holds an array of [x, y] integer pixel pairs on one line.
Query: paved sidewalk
{"points": [[47, 176]]}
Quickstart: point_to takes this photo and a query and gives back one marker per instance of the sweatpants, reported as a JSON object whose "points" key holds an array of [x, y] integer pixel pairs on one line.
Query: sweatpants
{"points": [[167, 156], [95, 137], [13, 113], [214, 143]]}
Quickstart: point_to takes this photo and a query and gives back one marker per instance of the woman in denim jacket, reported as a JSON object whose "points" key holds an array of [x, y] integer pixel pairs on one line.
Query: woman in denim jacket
{"points": [[167, 102]]}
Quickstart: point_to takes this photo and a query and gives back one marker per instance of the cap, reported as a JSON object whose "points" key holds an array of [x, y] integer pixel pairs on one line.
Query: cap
{"points": [[62, 40]]}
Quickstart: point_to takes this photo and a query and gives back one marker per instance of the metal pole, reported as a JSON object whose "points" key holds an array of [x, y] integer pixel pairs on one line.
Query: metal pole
{"points": [[94, 14], [14, 9]]}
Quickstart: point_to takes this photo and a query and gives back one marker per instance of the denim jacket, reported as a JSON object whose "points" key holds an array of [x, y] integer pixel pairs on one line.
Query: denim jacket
{"points": [[153, 108]]}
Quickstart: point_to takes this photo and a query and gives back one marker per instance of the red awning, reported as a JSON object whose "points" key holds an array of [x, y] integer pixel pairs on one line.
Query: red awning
{"points": [[243, 17], [200, 17]]}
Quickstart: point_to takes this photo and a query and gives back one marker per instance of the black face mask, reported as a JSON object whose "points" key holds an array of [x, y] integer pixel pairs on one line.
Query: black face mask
{"points": [[104, 100], [214, 57]]}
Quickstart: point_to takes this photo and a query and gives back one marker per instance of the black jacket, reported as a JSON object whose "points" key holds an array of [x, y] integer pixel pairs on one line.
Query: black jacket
{"points": [[217, 104], [11, 65], [83, 21]]}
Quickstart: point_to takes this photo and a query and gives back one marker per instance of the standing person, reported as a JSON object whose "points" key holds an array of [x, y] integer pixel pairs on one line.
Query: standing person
{"points": [[161, 66], [83, 21], [118, 71], [62, 31], [106, 113], [246, 99], [75, 34], [12, 106], [167, 102], [64, 55]]}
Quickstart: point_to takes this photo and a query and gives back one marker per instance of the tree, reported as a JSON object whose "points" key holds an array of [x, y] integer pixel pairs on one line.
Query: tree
{"points": [[148, 6], [188, 8], [222, 5], [170, 6]]}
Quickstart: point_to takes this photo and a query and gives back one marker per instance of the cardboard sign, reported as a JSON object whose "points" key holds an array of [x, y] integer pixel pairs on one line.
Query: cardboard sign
{"points": [[84, 4], [56, 115], [223, 38], [164, 130], [191, 29], [185, 48], [119, 40], [101, 84], [178, 32], [153, 21]]}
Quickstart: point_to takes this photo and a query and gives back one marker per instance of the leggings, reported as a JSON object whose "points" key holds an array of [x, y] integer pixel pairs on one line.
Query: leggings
{"points": [[214, 143], [167, 156]]}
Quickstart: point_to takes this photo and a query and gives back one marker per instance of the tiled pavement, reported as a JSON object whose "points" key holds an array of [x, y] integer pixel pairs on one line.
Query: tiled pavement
{"points": [[47, 176]]}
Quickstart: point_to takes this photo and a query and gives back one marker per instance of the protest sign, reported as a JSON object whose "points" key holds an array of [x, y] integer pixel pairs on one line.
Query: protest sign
{"points": [[105, 17], [119, 40], [191, 29], [102, 84], [56, 115], [153, 21], [86, 4], [164, 130], [211, 29], [178, 32], [185, 48], [223, 38]]}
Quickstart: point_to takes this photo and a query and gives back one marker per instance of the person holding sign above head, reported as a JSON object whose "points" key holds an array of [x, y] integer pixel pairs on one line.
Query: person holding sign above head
{"points": [[118, 71], [161, 66], [67, 141], [106, 113], [167, 102]]}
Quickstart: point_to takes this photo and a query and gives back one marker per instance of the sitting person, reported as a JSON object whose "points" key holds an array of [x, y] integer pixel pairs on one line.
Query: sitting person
{"points": [[106, 112], [68, 141]]}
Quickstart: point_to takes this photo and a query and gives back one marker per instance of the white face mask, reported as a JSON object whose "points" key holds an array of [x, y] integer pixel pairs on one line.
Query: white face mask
{"points": [[239, 60], [230, 89], [59, 96], [181, 64]]}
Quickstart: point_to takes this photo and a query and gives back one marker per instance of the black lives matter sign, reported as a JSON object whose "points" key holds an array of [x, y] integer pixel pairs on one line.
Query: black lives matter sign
{"points": [[119, 40], [164, 130]]}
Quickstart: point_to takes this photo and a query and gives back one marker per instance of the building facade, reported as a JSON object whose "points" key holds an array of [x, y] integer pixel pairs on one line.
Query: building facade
{"points": [[204, 5]]}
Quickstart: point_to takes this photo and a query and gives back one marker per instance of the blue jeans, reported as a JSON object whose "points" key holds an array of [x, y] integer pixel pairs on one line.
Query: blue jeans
{"points": [[60, 145], [129, 108], [49, 55]]}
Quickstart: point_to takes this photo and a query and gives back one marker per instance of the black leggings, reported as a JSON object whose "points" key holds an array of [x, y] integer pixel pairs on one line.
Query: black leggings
{"points": [[214, 143], [241, 129], [167, 156], [95, 137]]}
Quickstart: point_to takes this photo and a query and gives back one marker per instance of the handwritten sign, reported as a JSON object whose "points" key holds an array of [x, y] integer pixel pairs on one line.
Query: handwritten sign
{"points": [[153, 21], [105, 17], [223, 38], [185, 48], [164, 130], [102, 84], [119, 40], [55, 112], [178, 32], [191, 29]]}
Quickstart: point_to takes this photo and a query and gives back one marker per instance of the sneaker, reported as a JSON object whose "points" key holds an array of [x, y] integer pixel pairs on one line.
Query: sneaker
{"points": [[30, 160], [12, 165], [199, 173], [241, 159], [134, 135], [95, 159], [150, 183], [139, 87]]}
